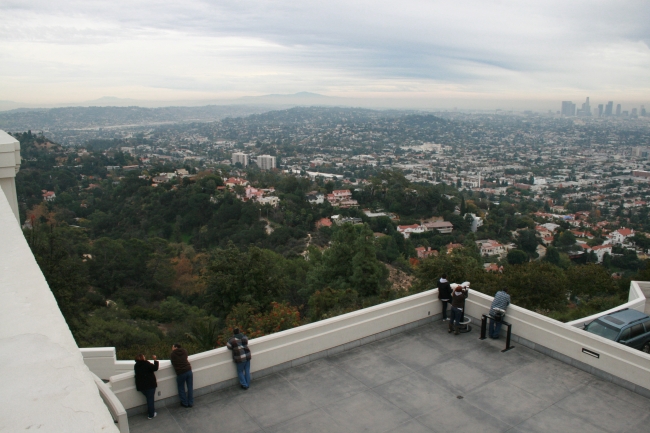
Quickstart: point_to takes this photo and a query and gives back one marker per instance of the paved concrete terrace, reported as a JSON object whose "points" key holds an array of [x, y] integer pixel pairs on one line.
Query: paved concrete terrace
{"points": [[421, 381]]}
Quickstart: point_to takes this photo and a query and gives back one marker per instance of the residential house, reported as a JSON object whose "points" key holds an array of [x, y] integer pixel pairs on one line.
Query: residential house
{"points": [[489, 247], [48, 195], [492, 267], [234, 181], [408, 229], [342, 194], [600, 251], [476, 222], [270, 200], [323, 222], [316, 198], [618, 237], [424, 252], [344, 204], [442, 226]]}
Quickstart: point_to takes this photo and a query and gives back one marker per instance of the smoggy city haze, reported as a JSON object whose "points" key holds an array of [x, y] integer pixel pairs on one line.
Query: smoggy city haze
{"points": [[419, 54]]}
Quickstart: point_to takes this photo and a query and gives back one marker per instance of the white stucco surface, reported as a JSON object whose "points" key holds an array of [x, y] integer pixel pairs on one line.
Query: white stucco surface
{"points": [[9, 166], [46, 386]]}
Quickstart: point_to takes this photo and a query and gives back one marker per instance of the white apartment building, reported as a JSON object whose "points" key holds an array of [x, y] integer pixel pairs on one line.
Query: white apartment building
{"points": [[266, 162], [240, 157]]}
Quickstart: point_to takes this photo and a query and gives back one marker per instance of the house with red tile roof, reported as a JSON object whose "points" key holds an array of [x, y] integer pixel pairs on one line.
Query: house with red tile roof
{"points": [[424, 252], [412, 228], [323, 222]]}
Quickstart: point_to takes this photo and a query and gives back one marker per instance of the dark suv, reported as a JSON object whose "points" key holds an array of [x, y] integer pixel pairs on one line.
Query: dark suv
{"points": [[629, 327]]}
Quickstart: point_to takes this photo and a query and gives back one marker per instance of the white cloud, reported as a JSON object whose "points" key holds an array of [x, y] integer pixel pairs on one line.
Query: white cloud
{"points": [[63, 50]]}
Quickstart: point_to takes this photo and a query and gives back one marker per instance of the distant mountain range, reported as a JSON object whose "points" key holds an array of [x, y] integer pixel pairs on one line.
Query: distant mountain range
{"points": [[280, 100], [93, 117]]}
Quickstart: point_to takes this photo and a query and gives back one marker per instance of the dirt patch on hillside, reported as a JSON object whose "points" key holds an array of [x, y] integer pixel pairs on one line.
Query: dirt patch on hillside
{"points": [[400, 280]]}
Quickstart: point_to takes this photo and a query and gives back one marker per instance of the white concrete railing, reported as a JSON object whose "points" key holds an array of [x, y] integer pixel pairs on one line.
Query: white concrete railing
{"points": [[616, 359], [350, 330], [113, 404], [9, 166], [216, 365], [636, 301], [46, 386], [102, 361]]}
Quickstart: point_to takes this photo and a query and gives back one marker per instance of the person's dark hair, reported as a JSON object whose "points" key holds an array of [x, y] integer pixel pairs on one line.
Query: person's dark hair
{"points": [[444, 276], [505, 289], [140, 357], [235, 331], [176, 345]]}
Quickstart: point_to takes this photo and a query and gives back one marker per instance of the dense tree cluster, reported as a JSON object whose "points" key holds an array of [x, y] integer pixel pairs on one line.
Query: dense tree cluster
{"points": [[137, 267]]}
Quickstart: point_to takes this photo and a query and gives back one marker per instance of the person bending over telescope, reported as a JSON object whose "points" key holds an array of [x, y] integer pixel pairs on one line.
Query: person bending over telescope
{"points": [[458, 296], [498, 311]]}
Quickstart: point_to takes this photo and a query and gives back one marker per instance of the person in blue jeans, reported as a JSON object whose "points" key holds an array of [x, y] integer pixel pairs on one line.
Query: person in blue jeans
{"points": [[145, 381], [184, 376], [499, 304], [241, 355]]}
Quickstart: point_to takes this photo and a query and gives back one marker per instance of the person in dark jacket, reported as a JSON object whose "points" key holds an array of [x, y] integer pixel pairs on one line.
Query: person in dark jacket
{"points": [[241, 354], [145, 380], [444, 294], [458, 297], [184, 375]]}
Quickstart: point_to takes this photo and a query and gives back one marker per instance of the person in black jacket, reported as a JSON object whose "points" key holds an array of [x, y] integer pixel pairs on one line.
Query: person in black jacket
{"points": [[444, 294], [145, 380]]}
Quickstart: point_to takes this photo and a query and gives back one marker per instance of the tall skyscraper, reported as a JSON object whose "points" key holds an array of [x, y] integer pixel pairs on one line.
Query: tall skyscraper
{"points": [[239, 157], [618, 110], [643, 112], [609, 108], [266, 162], [601, 108], [586, 108], [568, 108]]}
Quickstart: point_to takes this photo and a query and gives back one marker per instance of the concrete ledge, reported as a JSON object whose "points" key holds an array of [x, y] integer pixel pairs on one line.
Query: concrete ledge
{"points": [[583, 366], [175, 400]]}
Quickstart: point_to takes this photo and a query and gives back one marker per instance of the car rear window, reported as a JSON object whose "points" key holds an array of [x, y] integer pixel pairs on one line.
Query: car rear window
{"points": [[599, 328]]}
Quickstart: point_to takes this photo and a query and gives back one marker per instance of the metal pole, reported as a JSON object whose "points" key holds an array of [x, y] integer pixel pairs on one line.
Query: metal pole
{"points": [[508, 346], [483, 326]]}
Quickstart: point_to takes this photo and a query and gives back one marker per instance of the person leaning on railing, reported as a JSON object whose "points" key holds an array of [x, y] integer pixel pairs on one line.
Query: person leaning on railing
{"points": [[241, 355], [444, 294], [498, 311], [145, 380]]}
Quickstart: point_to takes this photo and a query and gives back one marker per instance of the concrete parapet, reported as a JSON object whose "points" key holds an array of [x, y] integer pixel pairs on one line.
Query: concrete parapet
{"points": [[9, 166]]}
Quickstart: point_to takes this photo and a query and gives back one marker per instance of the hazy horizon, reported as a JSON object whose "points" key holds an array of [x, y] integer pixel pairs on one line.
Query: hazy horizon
{"points": [[427, 55]]}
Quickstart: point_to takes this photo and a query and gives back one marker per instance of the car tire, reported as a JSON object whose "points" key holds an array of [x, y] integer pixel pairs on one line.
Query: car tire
{"points": [[646, 347]]}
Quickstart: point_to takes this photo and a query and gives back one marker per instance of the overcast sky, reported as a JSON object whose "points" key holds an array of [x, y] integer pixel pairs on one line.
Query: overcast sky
{"points": [[460, 52]]}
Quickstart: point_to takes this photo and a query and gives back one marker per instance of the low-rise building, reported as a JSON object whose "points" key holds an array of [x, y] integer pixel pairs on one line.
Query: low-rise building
{"points": [[407, 230], [618, 237], [476, 222], [489, 247], [600, 251], [323, 222], [424, 252], [441, 226], [316, 198]]}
